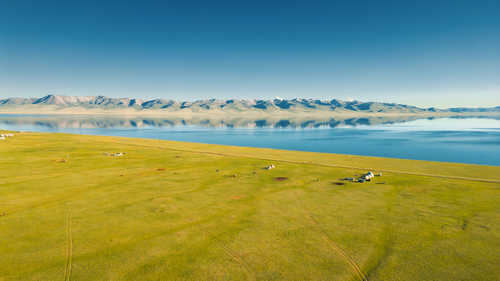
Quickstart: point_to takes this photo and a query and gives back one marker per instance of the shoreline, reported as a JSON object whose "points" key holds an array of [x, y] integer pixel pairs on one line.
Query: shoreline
{"points": [[221, 149]]}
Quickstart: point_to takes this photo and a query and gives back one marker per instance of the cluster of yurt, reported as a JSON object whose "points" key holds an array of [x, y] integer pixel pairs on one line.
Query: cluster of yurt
{"points": [[4, 136], [368, 176]]}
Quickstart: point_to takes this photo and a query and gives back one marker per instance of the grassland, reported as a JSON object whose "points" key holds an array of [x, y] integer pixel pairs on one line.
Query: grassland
{"points": [[184, 211]]}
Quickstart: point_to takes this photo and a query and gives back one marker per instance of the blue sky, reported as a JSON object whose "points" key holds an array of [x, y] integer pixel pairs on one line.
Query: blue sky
{"points": [[427, 53]]}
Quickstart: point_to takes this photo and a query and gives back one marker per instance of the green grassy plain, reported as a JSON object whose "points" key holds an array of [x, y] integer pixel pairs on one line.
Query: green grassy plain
{"points": [[185, 211]]}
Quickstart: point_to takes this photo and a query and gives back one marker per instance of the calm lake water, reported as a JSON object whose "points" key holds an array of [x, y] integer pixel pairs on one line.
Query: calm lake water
{"points": [[465, 140]]}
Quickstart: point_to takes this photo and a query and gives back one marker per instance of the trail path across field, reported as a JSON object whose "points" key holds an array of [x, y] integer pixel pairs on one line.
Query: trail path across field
{"points": [[331, 243], [69, 251]]}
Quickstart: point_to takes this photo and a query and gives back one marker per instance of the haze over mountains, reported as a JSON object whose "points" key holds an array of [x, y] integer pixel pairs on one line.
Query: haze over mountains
{"points": [[296, 105]]}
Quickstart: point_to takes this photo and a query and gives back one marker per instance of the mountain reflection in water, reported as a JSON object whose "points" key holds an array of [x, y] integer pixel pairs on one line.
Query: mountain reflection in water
{"points": [[89, 122]]}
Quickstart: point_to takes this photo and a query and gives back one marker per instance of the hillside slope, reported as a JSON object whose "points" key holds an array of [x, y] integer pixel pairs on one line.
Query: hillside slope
{"points": [[164, 210]]}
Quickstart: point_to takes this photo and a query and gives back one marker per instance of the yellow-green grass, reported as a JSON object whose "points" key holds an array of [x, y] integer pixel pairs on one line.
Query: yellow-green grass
{"points": [[185, 211]]}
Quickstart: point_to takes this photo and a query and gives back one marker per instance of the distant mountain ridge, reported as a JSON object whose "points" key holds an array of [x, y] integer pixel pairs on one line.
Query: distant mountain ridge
{"points": [[229, 105]]}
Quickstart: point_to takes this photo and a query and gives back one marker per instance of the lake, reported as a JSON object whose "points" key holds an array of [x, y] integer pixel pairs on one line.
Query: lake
{"points": [[464, 140]]}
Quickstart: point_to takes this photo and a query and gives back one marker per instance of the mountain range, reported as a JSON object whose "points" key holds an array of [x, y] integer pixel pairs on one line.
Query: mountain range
{"points": [[57, 102]]}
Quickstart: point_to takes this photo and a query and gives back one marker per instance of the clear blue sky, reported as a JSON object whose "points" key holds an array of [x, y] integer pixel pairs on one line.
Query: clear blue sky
{"points": [[427, 53]]}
